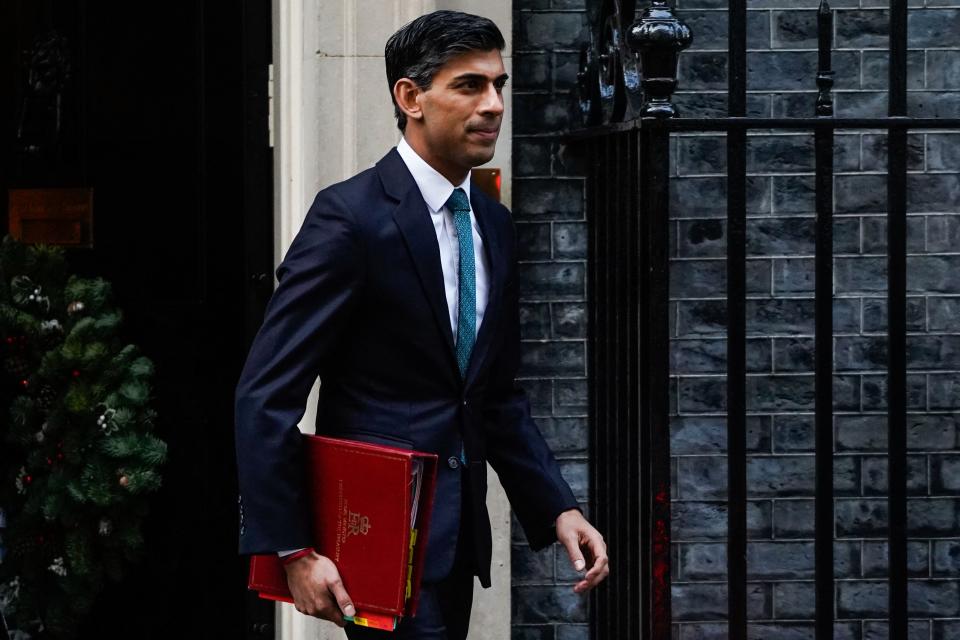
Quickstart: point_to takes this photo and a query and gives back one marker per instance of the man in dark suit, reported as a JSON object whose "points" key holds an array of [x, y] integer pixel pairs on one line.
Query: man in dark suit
{"points": [[400, 292]]}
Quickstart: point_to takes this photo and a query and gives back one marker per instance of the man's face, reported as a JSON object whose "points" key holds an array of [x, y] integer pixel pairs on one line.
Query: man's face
{"points": [[462, 111]]}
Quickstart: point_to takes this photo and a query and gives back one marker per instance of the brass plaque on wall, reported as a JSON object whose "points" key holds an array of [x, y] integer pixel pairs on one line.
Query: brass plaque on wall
{"points": [[52, 216], [488, 180]]}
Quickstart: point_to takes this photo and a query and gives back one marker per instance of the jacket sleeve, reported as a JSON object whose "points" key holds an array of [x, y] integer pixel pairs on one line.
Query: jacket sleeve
{"points": [[514, 445], [319, 281]]}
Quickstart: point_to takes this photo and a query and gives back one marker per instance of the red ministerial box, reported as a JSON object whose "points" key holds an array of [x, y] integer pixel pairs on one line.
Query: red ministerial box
{"points": [[362, 501]]}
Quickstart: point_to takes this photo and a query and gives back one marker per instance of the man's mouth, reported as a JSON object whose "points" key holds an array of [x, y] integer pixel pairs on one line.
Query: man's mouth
{"points": [[486, 133]]}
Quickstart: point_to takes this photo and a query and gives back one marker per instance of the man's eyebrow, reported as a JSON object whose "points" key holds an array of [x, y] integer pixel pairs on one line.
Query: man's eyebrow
{"points": [[478, 76]]}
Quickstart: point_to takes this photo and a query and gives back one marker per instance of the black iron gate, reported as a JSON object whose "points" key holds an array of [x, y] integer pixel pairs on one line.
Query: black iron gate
{"points": [[628, 75]]}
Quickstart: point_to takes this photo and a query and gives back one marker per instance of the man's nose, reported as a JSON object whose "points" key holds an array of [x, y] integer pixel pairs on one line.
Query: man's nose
{"points": [[492, 101]]}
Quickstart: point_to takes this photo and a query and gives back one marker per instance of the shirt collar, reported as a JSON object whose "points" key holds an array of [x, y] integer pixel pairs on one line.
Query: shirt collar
{"points": [[434, 188]]}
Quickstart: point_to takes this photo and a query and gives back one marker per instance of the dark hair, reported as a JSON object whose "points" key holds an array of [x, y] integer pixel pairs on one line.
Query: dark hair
{"points": [[427, 43]]}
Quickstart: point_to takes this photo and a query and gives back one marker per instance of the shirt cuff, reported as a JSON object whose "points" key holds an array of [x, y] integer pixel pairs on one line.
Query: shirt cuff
{"points": [[296, 555]]}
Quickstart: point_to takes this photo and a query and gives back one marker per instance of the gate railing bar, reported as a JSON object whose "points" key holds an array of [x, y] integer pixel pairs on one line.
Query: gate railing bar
{"points": [[627, 195], [760, 124], [598, 304], [600, 497], [603, 347], [898, 58], [611, 345], [610, 392], [608, 611], [594, 371], [635, 486], [736, 325], [897, 325], [646, 585], [655, 178], [618, 388], [630, 476], [614, 166], [823, 327]]}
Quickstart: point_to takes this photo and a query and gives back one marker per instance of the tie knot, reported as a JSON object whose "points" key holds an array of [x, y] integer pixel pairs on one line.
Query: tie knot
{"points": [[458, 201]]}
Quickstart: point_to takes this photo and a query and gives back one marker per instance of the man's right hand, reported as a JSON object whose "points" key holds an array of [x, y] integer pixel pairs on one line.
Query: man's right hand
{"points": [[317, 588]]}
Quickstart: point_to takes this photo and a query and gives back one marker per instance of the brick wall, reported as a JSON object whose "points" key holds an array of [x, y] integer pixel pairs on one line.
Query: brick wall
{"points": [[548, 207], [548, 191]]}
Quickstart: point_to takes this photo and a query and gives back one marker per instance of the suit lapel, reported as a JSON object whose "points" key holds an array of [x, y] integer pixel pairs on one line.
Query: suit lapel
{"points": [[421, 240], [420, 237], [491, 247]]}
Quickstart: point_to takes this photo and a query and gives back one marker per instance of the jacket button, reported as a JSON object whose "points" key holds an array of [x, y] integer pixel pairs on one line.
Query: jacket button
{"points": [[452, 462]]}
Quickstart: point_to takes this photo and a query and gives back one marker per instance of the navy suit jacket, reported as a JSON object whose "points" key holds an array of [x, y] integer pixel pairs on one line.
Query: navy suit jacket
{"points": [[361, 304]]}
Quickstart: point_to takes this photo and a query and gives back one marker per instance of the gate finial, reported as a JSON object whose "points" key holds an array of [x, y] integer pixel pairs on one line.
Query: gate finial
{"points": [[658, 37]]}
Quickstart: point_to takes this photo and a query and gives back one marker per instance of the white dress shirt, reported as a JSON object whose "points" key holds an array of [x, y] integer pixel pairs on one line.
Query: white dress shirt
{"points": [[436, 190]]}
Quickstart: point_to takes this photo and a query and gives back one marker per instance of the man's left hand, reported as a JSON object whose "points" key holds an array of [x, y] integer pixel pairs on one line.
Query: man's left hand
{"points": [[586, 548]]}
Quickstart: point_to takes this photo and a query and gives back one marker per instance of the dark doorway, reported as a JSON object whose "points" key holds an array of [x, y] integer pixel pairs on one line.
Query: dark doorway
{"points": [[164, 115]]}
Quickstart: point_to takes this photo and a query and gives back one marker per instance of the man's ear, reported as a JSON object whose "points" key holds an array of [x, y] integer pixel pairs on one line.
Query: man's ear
{"points": [[406, 93]]}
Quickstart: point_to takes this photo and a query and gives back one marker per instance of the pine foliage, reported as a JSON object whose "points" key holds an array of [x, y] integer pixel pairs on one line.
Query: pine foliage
{"points": [[79, 456]]}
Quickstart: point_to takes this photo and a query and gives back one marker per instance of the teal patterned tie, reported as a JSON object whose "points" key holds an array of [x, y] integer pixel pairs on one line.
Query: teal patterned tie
{"points": [[459, 204], [467, 305]]}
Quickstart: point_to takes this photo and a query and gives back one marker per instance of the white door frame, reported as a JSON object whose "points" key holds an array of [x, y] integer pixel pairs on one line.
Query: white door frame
{"points": [[325, 69]]}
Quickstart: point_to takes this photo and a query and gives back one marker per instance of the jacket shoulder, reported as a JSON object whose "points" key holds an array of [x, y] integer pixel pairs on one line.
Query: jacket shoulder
{"points": [[362, 198], [355, 191]]}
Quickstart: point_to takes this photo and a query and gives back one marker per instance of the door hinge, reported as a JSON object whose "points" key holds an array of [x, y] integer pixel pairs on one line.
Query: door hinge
{"points": [[270, 103]]}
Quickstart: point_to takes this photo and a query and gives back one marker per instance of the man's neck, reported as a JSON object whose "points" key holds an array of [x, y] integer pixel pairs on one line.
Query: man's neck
{"points": [[454, 175]]}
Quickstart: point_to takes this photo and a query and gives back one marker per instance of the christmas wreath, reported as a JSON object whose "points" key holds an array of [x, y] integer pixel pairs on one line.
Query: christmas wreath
{"points": [[77, 454]]}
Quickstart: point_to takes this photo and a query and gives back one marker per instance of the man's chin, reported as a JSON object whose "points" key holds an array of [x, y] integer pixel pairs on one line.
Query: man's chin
{"points": [[482, 155]]}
